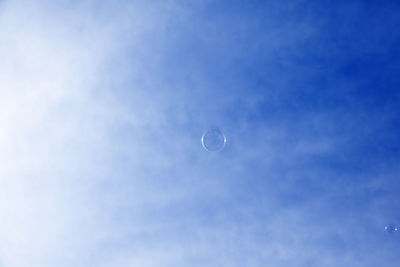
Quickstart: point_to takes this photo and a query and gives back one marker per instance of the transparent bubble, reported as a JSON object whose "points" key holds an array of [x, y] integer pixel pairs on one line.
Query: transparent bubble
{"points": [[390, 228], [213, 140]]}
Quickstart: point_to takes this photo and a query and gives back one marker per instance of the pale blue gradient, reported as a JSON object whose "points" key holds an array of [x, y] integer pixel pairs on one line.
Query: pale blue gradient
{"points": [[102, 109]]}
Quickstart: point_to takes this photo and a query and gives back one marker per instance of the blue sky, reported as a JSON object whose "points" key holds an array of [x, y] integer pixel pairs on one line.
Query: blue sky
{"points": [[103, 104]]}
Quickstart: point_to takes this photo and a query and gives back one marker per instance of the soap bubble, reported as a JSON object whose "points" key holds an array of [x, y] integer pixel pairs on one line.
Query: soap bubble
{"points": [[390, 228], [213, 140]]}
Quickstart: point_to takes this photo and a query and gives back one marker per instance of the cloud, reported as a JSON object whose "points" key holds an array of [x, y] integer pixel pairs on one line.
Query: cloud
{"points": [[50, 132]]}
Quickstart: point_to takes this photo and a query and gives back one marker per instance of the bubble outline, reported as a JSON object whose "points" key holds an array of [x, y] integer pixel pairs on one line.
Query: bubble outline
{"points": [[223, 144]]}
